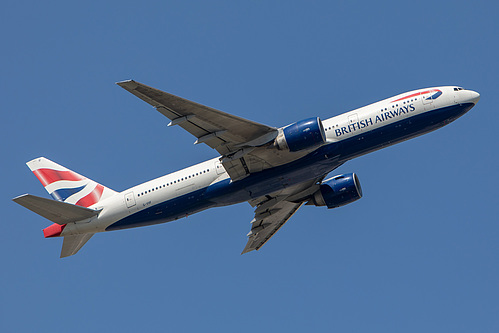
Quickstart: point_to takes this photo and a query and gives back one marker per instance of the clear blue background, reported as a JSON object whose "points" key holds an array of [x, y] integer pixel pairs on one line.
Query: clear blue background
{"points": [[418, 253]]}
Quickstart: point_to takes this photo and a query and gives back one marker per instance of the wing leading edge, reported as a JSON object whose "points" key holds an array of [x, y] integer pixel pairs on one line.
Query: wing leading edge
{"points": [[224, 132]]}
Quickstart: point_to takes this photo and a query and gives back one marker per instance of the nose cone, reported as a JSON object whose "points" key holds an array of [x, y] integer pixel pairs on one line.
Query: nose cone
{"points": [[474, 97]]}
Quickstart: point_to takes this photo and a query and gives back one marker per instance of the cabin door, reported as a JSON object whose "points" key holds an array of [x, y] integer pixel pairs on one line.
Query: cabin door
{"points": [[219, 167], [129, 200]]}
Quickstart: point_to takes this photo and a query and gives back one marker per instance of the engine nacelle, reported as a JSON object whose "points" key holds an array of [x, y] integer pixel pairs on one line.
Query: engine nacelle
{"points": [[338, 191], [301, 135]]}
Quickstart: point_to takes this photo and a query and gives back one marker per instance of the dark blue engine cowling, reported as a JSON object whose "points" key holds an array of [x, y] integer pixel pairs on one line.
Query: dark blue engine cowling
{"points": [[338, 191], [302, 135]]}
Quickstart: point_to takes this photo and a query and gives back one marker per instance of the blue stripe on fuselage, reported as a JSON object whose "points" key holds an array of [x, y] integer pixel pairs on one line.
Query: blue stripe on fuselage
{"points": [[318, 163]]}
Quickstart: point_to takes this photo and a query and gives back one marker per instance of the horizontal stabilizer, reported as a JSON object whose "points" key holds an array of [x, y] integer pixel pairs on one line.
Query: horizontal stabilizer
{"points": [[56, 211], [73, 243]]}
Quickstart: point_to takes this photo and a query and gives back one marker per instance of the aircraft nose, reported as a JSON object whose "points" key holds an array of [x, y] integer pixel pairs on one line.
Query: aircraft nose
{"points": [[473, 96]]}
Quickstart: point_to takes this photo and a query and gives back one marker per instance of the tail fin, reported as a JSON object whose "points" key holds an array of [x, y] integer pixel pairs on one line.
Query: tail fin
{"points": [[66, 185]]}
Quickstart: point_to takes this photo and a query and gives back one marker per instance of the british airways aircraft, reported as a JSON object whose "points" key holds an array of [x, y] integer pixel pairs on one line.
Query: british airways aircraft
{"points": [[276, 170]]}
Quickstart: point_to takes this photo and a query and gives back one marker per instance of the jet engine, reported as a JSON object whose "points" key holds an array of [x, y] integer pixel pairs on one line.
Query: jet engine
{"points": [[301, 135], [338, 191]]}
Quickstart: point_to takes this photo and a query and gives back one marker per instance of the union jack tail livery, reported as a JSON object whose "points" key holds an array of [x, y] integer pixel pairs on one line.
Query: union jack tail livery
{"points": [[66, 185], [73, 211]]}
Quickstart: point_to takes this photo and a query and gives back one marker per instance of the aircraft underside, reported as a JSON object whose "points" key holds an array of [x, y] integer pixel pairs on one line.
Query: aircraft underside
{"points": [[320, 162]]}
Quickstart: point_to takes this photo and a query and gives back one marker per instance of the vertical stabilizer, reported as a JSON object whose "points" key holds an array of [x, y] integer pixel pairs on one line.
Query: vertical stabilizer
{"points": [[66, 185]]}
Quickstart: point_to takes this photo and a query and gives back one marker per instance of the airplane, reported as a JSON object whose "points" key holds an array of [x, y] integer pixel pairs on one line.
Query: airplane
{"points": [[275, 169]]}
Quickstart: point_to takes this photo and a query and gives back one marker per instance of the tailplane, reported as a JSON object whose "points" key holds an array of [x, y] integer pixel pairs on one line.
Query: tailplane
{"points": [[66, 185], [55, 211], [61, 214], [73, 243]]}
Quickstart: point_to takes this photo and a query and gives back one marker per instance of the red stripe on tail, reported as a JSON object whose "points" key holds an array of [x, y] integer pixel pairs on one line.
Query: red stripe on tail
{"points": [[91, 198], [49, 176]]}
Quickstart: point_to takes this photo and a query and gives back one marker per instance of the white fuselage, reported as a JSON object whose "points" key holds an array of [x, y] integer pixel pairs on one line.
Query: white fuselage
{"points": [[197, 187]]}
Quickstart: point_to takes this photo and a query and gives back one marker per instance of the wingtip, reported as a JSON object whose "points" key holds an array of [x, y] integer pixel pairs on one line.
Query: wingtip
{"points": [[131, 84], [16, 199], [246, 250]]}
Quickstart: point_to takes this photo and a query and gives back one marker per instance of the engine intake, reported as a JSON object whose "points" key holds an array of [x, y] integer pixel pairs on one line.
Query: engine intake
{"points": [[338, 191], [301, 135]]}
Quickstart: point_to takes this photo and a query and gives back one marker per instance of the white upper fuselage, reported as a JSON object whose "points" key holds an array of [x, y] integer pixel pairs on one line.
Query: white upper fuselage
{"points": [[393, 109], [148, 196]]}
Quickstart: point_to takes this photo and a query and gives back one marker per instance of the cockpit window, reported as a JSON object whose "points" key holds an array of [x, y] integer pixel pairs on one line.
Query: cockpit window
{"points": [[458, 88]]}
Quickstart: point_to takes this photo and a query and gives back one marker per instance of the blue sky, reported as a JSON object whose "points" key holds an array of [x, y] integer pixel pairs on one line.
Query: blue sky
{"points": [[419, 252]]}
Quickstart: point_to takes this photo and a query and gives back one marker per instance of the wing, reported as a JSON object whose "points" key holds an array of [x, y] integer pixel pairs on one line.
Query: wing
{"points": [[272, 211], [246, 146], [265, 225], [219, 130]]}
